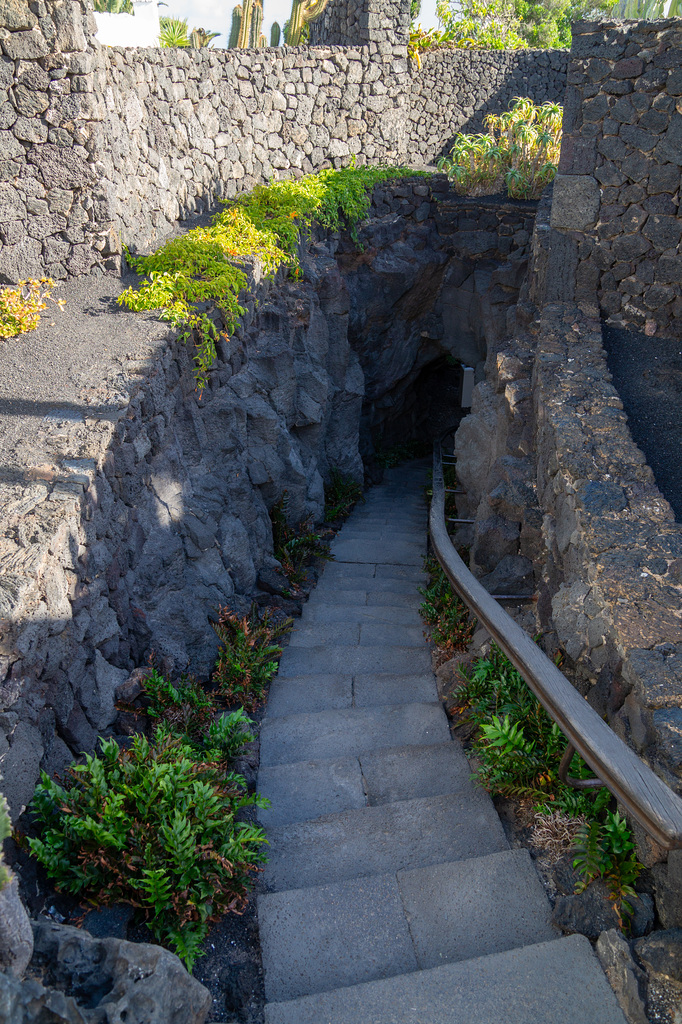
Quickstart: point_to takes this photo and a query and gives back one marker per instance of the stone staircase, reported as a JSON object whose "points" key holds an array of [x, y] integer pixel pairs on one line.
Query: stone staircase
{"points": [[393, 896]]}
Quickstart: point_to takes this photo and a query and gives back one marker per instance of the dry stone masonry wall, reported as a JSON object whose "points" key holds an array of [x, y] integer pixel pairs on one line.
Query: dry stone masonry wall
{"points": [[101, 146], [616, 199]]}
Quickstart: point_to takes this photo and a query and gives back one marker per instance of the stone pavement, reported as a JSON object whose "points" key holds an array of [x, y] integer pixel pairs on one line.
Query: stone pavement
{"points": [[393, 896]]}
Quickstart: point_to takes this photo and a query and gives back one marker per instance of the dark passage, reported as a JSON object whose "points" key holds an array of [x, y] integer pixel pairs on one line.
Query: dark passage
{"points": [[647, 373]]}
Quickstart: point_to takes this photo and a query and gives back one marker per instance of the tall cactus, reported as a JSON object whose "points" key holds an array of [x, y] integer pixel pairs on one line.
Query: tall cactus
{"points": [[256, 24], [245, 26], [237, 15], [302, 13], [275, 34]]}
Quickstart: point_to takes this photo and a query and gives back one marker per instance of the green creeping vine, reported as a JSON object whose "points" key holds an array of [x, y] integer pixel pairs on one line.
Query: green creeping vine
{"points": [[265, 225]]}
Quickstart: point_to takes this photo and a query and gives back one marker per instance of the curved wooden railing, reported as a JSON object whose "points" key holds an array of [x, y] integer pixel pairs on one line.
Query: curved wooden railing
{"points": [[633, 783]]}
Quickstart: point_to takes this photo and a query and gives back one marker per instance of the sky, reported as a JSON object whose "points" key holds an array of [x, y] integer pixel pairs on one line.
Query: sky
{"points": [[216, 16]]}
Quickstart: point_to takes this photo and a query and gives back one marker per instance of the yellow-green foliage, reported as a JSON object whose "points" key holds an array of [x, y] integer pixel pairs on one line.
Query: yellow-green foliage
{"points": [[520, 152], [20, 306], [264, 225]]}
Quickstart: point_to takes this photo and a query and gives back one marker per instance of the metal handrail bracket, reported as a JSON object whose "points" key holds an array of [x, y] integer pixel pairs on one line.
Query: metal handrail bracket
{"points": [[644, 795]]}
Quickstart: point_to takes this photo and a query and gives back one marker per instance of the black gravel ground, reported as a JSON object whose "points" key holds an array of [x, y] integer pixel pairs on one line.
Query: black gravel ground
{"points": [[647, 373]]}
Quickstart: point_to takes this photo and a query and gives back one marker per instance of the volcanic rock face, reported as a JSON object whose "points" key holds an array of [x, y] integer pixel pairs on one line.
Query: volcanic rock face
{"points": [[92, 981]]}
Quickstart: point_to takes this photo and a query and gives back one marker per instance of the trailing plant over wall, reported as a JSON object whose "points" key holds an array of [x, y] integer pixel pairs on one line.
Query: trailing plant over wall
{"points": [[265, 225], [520, 152], [21, 305], [155, 826]]}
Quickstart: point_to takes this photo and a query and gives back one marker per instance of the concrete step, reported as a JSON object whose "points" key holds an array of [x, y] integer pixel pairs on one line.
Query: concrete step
{"points": [[325, 937], [332, 612], [295, 695], [332, 659], [355, 633], [313, 789], [406, 552], [390, 837], [559, 982], [369, 570], [326, 735], [354, 594]]}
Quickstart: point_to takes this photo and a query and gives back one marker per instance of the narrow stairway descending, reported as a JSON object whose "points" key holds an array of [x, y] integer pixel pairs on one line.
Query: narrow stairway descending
{"points": [[393, 896]]}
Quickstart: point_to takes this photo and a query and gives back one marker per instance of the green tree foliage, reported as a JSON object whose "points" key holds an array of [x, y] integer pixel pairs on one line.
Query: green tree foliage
{"points": [[113, 6], [514, 24]]}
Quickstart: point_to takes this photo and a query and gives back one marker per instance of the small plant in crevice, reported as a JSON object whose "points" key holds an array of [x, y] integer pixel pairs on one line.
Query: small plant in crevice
{"points": [[341, 495], [446, 615], [604, 849], [155, 826], [248, 656], [295, 545]]}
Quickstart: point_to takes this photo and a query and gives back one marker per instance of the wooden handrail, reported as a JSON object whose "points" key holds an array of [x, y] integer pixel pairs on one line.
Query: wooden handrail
{"points": [[644, 795]]}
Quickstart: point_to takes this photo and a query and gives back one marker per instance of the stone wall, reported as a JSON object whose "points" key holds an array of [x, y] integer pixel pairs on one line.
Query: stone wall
{"points": [[615, 213], [382, 25], [183, 127], [102, 145], [455, 89], [51, 214]]}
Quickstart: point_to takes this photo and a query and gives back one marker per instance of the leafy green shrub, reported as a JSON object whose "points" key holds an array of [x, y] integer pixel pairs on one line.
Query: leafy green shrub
{"points": [[189, 713], [265, 224], [341, 495], [520, 151], [185, 707], [154, 827], [21, 305], [295, 545], [174, 32], [518, 745], [446, 615], [604, 849], [248, 655]]}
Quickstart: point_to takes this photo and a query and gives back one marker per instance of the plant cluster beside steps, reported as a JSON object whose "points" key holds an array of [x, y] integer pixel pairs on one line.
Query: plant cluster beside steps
{"points": [[157, 822], [264, 225], [518, 749]]}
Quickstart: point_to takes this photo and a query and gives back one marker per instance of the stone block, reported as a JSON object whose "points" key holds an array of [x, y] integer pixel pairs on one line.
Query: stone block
{"points": [[575, 202]]}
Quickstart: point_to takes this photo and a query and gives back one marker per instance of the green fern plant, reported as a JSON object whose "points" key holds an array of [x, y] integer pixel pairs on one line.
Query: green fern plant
{"points": [[445, 614], [341, 495], [153, 826], [248, 655], [605, 849], [295, 545]]}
